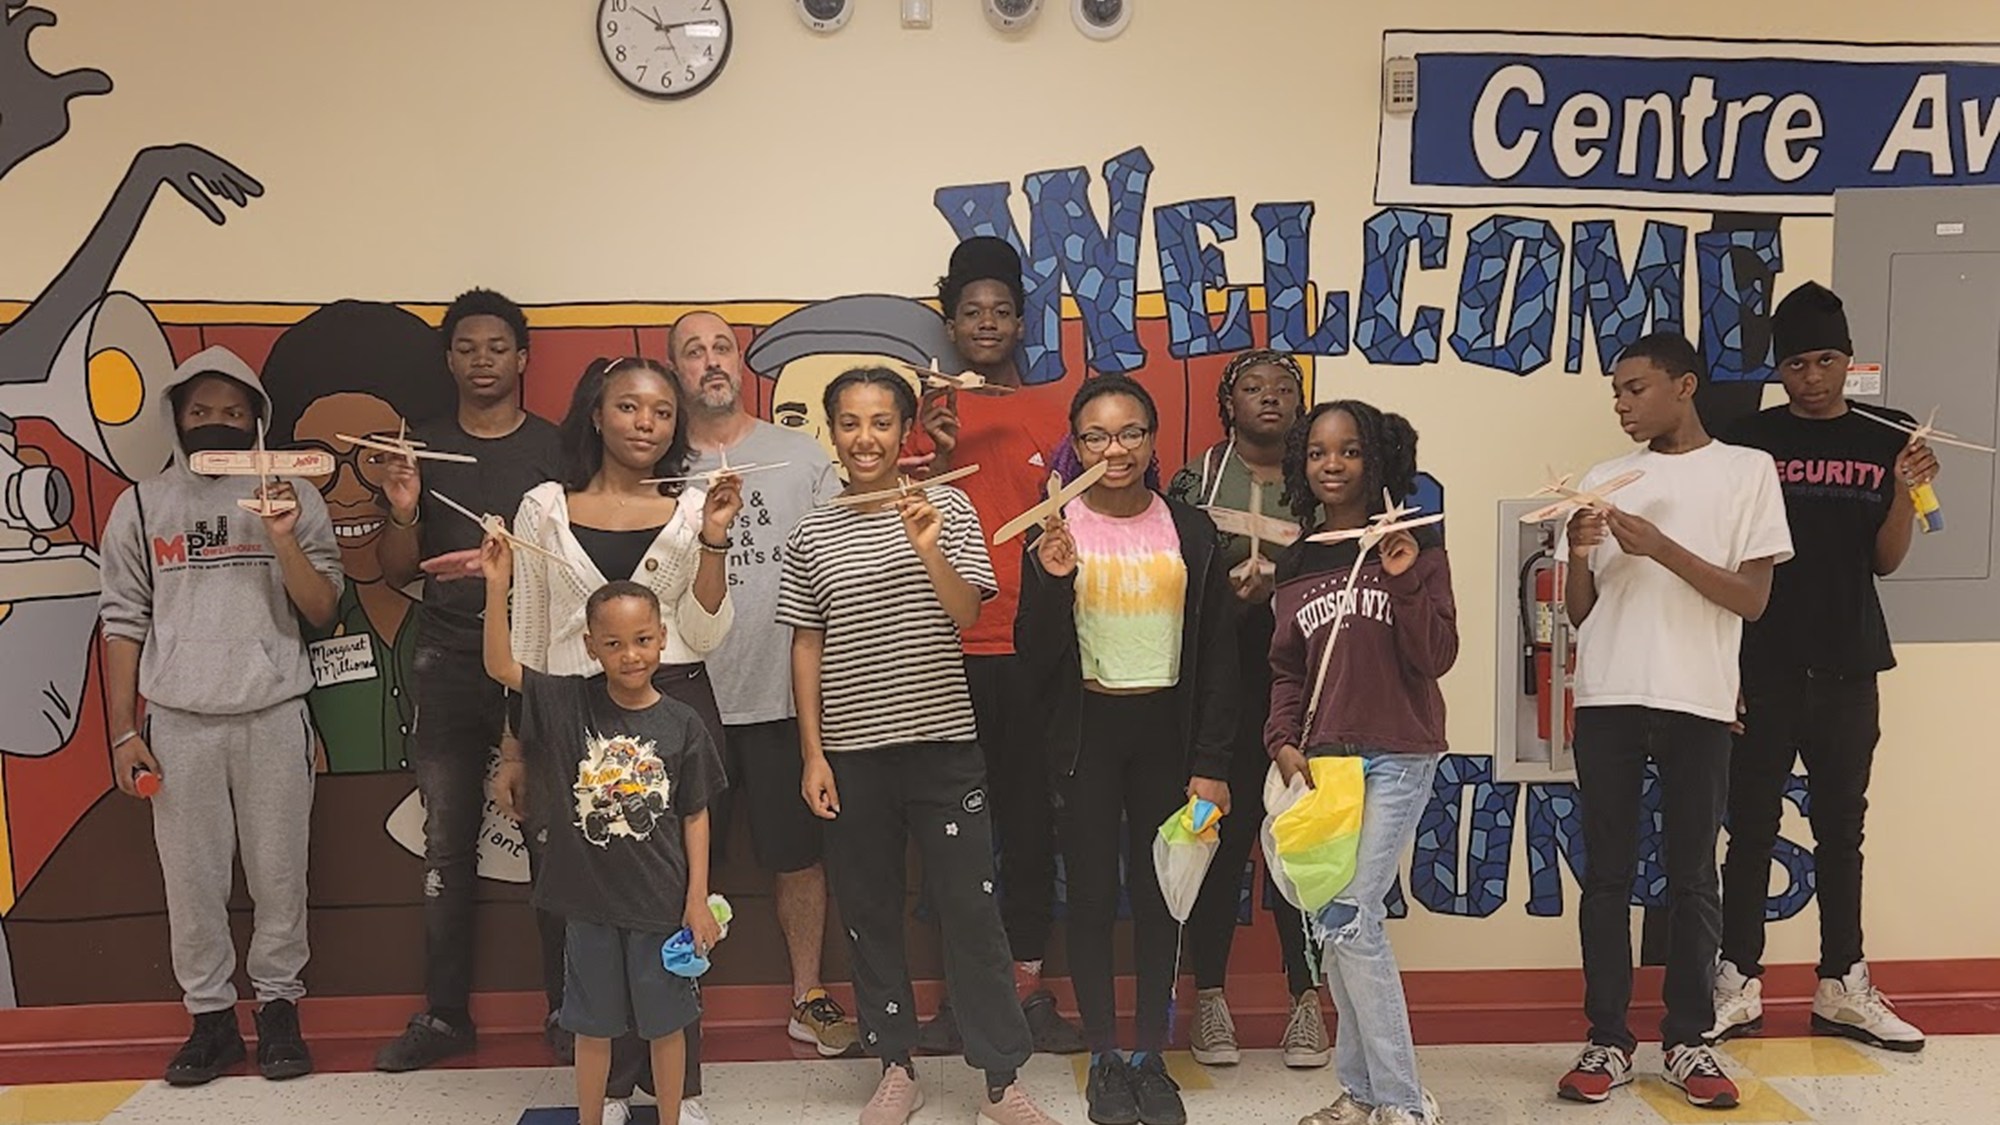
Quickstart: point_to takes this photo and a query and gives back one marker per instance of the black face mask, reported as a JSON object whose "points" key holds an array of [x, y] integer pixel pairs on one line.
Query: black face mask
{"points": [[218, 437]]}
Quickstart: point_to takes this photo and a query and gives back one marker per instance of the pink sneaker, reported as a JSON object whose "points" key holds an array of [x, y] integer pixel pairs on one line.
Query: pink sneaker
{"points": [[895, 1100], [1015, 1108]]}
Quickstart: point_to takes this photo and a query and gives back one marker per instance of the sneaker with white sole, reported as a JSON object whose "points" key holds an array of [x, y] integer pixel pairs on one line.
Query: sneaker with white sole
{"points": [[1700, 1076], [896, 1099], [1739, 1004], [616, 1112], [692, 1113], [819, 1019], [1852, 1007], [1596, 1072], [1213, 1040], [1344, 1111], [1305, 1043], [1393, 1115]]}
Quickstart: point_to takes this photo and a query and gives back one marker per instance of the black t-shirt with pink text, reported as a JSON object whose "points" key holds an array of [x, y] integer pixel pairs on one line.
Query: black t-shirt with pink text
{"points": [[1839, 480]]}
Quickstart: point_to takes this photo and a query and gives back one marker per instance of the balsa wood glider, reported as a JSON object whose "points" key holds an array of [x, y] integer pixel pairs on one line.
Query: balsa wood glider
{"points": [[1051, 508], [1571, 499], [903, 488]]}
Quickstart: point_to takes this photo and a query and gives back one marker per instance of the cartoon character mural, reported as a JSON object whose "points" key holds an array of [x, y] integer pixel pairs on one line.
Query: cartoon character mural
{"points": [[805, 350], [361, 368], [85, 362]]}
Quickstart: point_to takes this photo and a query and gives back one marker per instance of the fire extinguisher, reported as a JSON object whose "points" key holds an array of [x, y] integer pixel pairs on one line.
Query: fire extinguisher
{"points": [[1541, 602]]}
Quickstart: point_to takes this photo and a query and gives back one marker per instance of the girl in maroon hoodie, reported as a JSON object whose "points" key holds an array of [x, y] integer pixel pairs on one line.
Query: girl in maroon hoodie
{"points": [[1398, 633]]}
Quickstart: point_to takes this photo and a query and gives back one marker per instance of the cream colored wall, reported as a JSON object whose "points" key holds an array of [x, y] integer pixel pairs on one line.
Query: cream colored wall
{"points": [[412, 148]]}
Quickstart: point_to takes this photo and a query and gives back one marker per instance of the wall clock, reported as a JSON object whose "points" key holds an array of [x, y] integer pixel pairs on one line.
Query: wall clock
{"points": [[665, 48]]}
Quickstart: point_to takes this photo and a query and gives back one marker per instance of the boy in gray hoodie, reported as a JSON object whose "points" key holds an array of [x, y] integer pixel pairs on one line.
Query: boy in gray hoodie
{"points": [[200, 609]]}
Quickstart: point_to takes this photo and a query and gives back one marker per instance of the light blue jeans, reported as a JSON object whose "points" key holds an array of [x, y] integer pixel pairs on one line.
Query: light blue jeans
{"points": [[1373, 1052]]}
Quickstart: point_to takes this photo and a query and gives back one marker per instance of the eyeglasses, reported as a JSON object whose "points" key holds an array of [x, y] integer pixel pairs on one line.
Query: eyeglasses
{"points": [[1097, 441]]}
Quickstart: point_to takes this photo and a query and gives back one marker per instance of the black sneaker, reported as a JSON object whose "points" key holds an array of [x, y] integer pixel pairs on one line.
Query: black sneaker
{"points": [[427, 1040], [1108, 1094], [1158, 1095], [212, 1047], [940, 1036], [281, 1050], [1053, 1034], [561, 1040]]}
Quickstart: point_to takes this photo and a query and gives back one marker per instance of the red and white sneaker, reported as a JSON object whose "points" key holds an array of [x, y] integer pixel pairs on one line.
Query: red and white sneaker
{"points": [[1596, 1072], [1698, 1074]]}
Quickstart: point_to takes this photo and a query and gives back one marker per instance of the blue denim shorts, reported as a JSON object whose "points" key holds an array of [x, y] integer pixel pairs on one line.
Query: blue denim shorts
{"points": [[613, 982]]}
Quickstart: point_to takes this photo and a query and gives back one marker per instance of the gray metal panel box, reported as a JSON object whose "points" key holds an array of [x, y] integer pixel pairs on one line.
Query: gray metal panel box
{"points": [[1919, 270]]}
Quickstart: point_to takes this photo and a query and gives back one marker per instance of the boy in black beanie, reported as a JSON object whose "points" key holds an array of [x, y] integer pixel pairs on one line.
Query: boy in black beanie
{"points": [[1809, 668]]}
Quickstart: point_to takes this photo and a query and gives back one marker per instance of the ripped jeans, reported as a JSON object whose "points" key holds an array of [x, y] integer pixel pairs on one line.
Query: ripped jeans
{"points": [[1373, 1052]]}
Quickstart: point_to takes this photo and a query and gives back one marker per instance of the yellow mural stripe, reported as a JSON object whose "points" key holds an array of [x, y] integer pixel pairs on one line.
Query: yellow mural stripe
{"points": [[1151, 305]]}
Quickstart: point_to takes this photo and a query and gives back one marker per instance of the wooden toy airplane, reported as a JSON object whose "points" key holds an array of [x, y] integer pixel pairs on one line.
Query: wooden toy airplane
{"points": [[711, 476], [496, 526], [262, 463], [1392, 519], [1572, 499], [903, 487], [1928, 432], [406, 447], [1051, 508], [970, 382], [1254, 525]]}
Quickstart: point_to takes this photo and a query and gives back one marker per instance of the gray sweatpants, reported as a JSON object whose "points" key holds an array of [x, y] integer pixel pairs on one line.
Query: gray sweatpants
{"points": [[225, 779]]}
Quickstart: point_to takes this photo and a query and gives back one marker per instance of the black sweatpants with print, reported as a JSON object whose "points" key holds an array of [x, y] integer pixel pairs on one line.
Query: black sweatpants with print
{"points": [[934, 793]]}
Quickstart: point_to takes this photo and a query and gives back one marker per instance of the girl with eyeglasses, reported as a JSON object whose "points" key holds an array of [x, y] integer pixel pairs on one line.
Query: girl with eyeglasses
{"points": [[622, 429], [1127, 623]]}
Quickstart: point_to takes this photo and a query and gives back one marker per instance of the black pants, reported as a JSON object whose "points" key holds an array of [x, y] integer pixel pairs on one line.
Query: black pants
{"points": [[1613, 745], [934, 793], [1832, 723], [1017, 779], [1129, 777], [1211, 928]]}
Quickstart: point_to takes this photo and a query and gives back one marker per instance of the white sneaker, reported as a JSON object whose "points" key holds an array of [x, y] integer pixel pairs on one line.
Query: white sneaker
{"points": [[1739, 1004], [692, 1113], [1345, 1111], [1213, 1042], [1387, 1115], [616, 1112], [1305, 1040], [1851, 1007]]}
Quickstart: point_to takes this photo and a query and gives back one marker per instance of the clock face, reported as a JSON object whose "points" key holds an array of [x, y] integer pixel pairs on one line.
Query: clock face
{"points": [[665, 48]]}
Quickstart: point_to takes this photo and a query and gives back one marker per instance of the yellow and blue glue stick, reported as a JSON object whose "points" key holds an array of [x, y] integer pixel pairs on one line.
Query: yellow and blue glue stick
{"points": [[1930, 517]]}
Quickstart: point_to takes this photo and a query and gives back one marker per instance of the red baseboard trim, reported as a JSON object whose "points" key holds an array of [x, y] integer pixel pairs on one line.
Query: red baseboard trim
{"points": [[746, 1022]]}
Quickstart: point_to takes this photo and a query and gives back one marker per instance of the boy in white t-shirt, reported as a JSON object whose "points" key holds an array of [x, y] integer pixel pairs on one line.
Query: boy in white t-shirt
{"points": [[1659, 587]]}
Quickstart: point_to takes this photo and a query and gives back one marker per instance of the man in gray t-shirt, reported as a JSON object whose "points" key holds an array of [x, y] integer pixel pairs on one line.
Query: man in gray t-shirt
{"points": [[751, 671]]}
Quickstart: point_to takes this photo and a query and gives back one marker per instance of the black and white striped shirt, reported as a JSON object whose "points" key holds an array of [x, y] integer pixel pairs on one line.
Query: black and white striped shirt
{"points": [[893, 671]]}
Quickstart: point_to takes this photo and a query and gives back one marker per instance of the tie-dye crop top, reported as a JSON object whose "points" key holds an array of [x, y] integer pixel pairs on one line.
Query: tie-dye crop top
{"points": [[1131, 596]]}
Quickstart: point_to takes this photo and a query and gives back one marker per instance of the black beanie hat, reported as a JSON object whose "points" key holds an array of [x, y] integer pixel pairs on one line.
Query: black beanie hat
{"points": [[983, 258], [1809, 319]]}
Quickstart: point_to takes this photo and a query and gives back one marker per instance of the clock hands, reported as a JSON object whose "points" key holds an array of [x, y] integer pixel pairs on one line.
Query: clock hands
{"points": [[653, 19]]}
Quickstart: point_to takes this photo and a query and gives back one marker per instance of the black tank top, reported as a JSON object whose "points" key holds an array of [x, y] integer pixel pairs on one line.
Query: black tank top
{"points": [[615, 553]]}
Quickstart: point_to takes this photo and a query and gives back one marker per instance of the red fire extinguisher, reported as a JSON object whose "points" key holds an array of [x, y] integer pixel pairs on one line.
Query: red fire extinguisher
{"points": [[1541, 602]]}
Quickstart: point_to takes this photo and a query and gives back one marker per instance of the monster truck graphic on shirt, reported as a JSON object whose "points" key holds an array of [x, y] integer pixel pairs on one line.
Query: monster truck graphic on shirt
{"points": [[621, 788]]}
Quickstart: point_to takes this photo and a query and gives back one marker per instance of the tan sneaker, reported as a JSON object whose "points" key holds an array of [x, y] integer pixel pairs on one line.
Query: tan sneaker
{"points": [[1345, 1111], [1015, 1108], [895, 1100], [819, 1020], [1213, 1040], [1305, 1041]]}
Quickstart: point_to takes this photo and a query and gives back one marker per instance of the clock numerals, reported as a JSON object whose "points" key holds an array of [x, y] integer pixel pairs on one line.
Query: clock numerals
{"points": [[665, 48]]}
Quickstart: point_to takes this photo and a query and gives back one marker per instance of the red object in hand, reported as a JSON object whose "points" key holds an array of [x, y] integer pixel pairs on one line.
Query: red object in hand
{"points": [[145, 781]]}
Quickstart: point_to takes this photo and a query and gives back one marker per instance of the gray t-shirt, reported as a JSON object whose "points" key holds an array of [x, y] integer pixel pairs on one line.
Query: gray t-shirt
{"points": [[752, 670]]}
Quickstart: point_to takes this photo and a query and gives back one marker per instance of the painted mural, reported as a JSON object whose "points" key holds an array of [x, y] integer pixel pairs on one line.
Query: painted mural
{"points": [[1555, 122]]}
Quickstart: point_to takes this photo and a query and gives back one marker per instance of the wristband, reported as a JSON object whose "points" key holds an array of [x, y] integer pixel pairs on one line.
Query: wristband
{"points": [[714, 548], [401, 526], [124, 738]]}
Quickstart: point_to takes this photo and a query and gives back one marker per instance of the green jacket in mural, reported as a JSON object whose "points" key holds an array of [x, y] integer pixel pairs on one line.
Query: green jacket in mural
{"points": [[362, 704]]}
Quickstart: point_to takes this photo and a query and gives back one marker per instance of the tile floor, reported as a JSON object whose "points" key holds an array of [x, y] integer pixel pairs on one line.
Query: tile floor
{"points": [[1956, 1081]]}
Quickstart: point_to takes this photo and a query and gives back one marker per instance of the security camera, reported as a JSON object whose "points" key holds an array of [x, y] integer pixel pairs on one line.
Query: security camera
{"points": [[1101, 19], [825, 16], [1012, 15]]}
